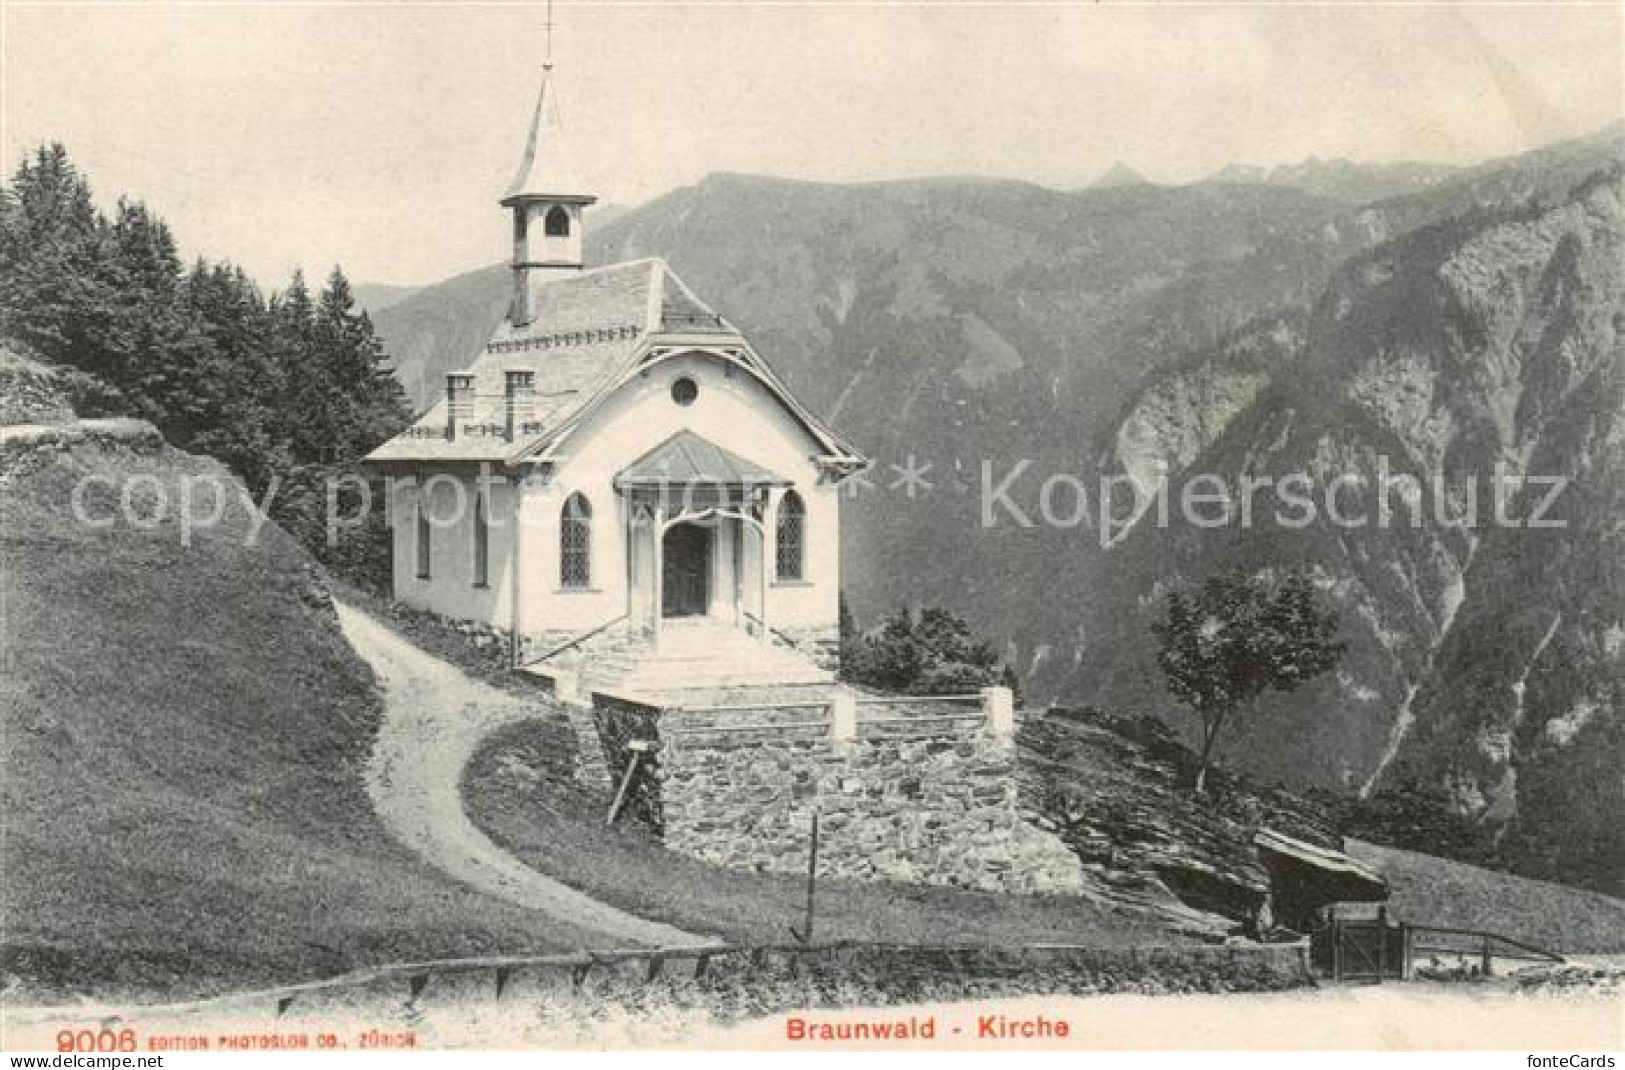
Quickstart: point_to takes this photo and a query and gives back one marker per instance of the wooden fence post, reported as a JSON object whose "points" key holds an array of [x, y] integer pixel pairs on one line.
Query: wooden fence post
{"points": [[805, 936], [1337, 949], [638, 748]]}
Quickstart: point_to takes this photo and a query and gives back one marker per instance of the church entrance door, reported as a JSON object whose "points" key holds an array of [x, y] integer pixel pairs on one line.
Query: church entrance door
{"points": [[686, 581]]}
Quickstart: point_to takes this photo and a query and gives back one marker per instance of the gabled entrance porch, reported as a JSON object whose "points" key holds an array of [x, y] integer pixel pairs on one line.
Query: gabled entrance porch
{"points": [[695, 538], [697, 578]]}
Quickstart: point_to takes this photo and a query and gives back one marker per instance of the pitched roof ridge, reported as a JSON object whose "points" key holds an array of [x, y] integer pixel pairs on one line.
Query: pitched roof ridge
{"points": [[688, 291], [655, 300]]}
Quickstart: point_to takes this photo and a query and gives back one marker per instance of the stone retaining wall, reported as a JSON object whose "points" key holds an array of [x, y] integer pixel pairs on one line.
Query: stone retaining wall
{"points": [[822, 644], [913, 790]]}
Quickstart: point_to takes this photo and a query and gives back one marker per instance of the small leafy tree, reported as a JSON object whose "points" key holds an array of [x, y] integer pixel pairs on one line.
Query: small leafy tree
{"points": [[1236, 637]]}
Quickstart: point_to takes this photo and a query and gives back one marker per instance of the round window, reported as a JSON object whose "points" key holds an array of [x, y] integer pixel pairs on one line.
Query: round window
{"points": [[684, 391]]}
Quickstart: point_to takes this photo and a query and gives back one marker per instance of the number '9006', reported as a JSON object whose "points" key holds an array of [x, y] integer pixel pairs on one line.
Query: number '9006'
{"points": [[95, 1040]]}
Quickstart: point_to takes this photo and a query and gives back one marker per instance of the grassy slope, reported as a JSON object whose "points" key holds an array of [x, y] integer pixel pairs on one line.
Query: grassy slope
{"points": [[182, 735], [519, 792], [1436, 891]]}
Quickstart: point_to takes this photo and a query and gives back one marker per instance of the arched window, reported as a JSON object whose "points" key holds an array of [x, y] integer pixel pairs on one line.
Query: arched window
{"points": [[575, 543], [558, 222], [482, 543], [790, 536], [423, 547]]}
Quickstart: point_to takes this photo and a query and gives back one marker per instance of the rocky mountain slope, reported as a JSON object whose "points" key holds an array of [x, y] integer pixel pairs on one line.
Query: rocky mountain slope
{"points": [[1117, 790], [1485, 656]]}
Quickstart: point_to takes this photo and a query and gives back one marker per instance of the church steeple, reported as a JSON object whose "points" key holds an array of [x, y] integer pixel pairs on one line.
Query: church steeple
{"points": [[547, 198]]}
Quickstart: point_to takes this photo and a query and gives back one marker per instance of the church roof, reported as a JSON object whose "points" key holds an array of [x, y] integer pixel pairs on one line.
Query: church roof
{"points": [[686, 458], [588, 330], [548, 167]]}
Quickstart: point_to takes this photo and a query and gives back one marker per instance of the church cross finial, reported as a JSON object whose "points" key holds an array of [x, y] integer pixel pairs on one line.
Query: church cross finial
{"points": [[547, 46]]}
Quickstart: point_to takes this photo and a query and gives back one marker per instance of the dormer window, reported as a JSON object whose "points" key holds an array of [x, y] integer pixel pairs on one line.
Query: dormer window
{"points": [[557, 224]]}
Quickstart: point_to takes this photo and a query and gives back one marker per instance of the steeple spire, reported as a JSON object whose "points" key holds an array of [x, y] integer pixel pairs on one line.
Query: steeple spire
{"points": [[547, 169], [547, 196]]}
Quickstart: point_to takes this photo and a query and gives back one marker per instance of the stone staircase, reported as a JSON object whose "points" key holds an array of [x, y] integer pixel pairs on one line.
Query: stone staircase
{"points": [[690, 655]]}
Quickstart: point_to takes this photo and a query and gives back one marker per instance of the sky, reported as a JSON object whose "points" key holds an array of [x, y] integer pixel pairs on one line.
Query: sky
{"points": [[379, 136]]}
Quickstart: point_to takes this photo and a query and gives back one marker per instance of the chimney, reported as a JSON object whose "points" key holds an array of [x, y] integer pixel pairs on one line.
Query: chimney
{"points": [[459, 401], [521, 395], [519, 304]]}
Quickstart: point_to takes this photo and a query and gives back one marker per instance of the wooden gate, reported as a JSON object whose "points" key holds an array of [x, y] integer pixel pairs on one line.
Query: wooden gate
{"points": [[1360, 949], [1375, 950]]}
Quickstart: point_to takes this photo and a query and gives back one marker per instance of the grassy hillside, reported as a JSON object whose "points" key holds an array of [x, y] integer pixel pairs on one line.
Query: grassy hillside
{"points": [[1436, 891], [181, 728]]}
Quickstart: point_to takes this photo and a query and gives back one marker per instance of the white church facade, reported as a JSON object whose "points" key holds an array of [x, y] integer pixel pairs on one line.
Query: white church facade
{"points": [[618, 467]]}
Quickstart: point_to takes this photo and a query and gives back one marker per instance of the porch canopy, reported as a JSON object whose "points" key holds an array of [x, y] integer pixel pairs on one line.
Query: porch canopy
{"points": [[686, 474], [695, 539], [686, 460]]}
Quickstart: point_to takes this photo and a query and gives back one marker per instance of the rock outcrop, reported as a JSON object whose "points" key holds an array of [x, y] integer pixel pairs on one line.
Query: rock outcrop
{"points": [[1118, 792]]}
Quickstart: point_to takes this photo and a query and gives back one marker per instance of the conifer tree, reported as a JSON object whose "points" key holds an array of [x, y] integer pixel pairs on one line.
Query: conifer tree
{"points": [[156, 349], [239, 387], [364, 401], [287, 392], [49, 250]]}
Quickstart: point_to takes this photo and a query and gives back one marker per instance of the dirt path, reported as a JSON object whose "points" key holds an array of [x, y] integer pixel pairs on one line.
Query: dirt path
{"points": [[434, 717]]}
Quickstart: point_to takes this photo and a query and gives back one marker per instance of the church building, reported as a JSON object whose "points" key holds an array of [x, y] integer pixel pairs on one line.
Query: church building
{"points": [[617, 479]]}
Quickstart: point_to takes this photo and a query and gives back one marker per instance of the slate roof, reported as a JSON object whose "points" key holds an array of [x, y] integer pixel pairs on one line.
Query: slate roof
{"points": [[687, 458], [587, 331], [1367, 884]]}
